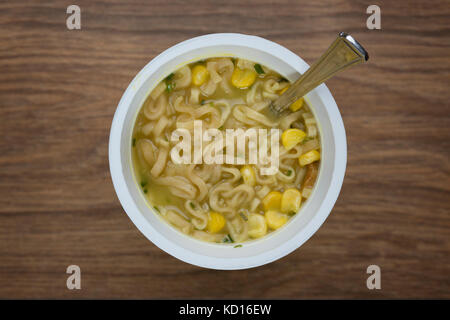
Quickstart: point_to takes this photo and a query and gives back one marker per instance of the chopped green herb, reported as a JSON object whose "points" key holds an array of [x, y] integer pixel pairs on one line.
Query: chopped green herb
{"points": [[228, 239], [288, 173], [233, 60], [243, 216], [238, 246], [143, 183], [134, 142], [258, 68], [192, 205], [156, 208], [221, 128], [145, 190], [306, 139], [202, 102], [170, 77], [170, 85]]}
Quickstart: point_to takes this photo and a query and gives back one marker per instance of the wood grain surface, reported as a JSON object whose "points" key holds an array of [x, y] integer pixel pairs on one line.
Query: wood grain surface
{"points": [[58, 93]]}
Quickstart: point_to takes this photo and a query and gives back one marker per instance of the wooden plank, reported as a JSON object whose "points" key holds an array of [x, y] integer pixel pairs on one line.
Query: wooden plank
{"points": [[58, 93]]}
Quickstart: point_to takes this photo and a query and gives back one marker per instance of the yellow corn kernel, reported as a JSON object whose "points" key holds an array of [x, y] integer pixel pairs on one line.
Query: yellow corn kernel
{"points": [[291, 137], [309, 157], [243, 78], [272, 201], [297, 105], [274, 219], [283, 90], [216, 222], [290, 201], [248, 174], [199, 75], [257, 226]]}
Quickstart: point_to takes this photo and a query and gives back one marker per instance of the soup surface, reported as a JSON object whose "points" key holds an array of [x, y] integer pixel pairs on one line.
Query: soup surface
{"points": [[224, 202]]}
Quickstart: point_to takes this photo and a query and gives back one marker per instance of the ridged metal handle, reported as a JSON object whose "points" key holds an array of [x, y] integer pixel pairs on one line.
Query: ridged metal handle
{"points": [[343, 53]]}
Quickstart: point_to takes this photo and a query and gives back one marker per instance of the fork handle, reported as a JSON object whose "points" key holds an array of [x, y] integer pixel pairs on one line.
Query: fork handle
{"points": [[343, 53]]}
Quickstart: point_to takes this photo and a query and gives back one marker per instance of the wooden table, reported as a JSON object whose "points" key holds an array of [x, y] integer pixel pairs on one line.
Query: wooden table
{"points": [[58, 93]]}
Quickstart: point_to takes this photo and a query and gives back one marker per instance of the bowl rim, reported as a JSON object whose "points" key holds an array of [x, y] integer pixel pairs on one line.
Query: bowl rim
{"points": [[151, 233]]}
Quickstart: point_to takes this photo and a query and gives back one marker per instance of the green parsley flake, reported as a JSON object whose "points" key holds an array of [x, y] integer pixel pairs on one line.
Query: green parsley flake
{"points": [[259, 69]]}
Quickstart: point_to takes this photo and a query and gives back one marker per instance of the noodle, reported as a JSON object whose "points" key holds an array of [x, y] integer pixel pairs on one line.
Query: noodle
{"points": [[207, 199]]}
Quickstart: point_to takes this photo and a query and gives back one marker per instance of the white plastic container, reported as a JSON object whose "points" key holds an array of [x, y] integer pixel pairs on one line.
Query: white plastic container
{"points": [[223, 256]]}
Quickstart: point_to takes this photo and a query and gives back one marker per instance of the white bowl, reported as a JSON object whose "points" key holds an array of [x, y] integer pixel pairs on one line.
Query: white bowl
{"points": [[221, 256]]}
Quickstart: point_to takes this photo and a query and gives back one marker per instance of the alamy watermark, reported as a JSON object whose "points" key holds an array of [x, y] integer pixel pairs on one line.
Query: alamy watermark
{"points": [[74, 280], [73, 22], [374, 280], [374, 20], [234, 142]]}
